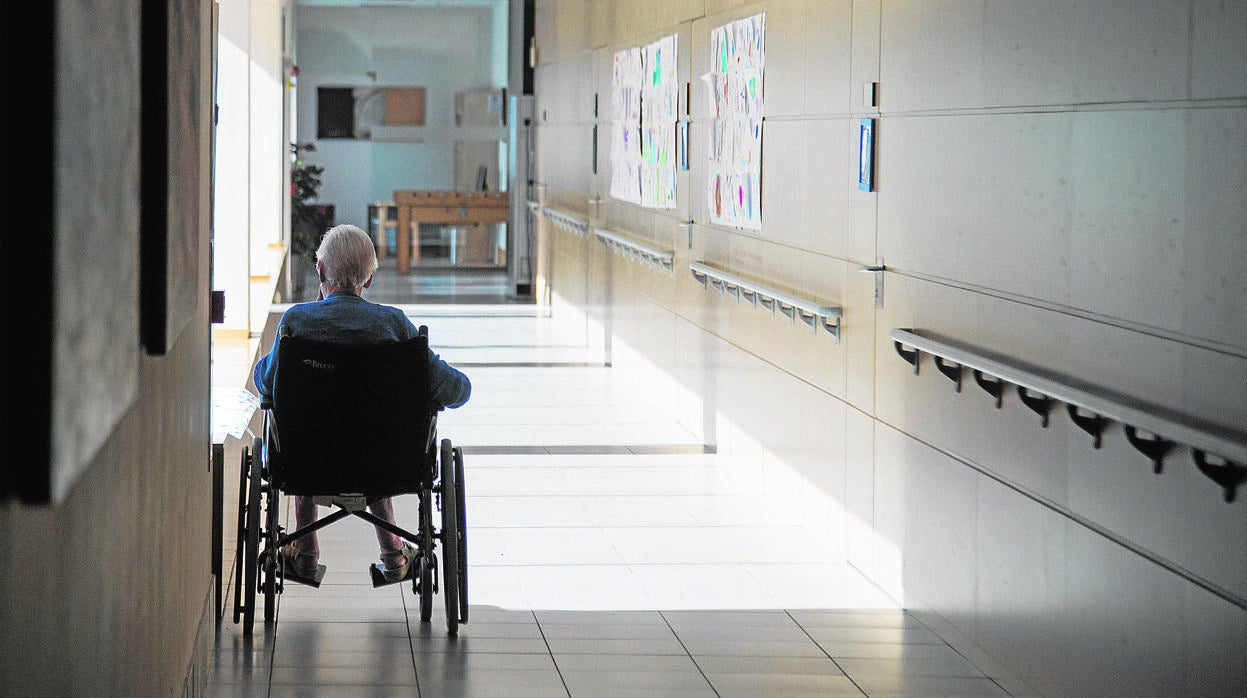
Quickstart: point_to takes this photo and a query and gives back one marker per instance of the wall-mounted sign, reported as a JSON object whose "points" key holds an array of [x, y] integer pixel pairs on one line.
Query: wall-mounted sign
{"points": [[866, 155]]}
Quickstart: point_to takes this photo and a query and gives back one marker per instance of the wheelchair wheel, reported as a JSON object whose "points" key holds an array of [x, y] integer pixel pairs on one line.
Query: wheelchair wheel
{"points": [[461, 508], [269, 559], [240, 542], [450, 537], [251, 564], [426, 561]]}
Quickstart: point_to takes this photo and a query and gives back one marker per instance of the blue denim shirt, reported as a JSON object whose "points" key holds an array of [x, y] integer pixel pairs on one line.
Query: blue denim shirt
{"points": [[346, 317]]}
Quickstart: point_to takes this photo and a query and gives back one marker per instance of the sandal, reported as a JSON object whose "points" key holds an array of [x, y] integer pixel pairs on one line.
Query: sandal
{"points": [[301, 567], [384, 573]]}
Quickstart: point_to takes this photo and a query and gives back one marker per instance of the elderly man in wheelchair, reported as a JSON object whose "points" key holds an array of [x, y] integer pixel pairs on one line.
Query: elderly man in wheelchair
{"points": [[351, 392]]}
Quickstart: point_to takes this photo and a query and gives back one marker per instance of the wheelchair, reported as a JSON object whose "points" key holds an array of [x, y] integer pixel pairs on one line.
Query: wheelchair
{"points": [[348, 425]]}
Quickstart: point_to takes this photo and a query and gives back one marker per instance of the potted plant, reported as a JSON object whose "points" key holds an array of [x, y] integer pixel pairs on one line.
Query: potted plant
{"points": [[308, 220]]}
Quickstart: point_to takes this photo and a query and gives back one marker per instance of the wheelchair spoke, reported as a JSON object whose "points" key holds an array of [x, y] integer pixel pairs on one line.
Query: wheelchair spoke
{"points": [[272, 557], [427, 560]]}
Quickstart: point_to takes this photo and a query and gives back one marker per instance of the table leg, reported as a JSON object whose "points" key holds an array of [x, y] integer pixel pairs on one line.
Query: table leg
{"points": [[415, 241], [383, 224], [403, 241]]}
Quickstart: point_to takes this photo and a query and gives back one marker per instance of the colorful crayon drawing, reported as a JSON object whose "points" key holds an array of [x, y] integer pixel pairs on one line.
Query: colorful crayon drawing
{"points": [[659, 114], [734, 194], [625, 155], [644, 109]]}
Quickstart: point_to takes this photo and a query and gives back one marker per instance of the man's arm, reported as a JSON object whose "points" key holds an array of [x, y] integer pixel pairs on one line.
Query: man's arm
{"points": [[451, 388], [265, 373]]}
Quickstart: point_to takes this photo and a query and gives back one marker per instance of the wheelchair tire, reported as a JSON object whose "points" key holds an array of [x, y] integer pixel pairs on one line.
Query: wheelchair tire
{"points": [[270, 558], [240, 542], [427, 561], [450, 537], [461, 504], [251, 564]]}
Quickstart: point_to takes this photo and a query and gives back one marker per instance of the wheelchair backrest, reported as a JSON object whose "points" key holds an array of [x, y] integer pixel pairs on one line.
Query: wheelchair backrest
{"points": [[351, 418]]}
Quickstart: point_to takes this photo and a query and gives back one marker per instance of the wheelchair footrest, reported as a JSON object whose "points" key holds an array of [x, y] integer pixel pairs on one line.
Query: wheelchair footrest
{"points": [[378, 577], [314, 581]]}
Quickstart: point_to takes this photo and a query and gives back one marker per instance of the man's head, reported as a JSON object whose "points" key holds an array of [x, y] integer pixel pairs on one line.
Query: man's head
{"points": [[346, 258]]}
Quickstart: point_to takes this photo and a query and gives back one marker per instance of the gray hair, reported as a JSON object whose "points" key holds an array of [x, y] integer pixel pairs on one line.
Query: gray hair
{"points": [[348, 255]]}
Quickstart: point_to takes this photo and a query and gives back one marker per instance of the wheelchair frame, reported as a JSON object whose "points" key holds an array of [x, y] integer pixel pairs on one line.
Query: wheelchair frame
{"points": [[260, 535]]}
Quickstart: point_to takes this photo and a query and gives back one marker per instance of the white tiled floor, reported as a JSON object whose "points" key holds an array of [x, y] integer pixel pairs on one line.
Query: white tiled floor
{"points": [[609, 554]]}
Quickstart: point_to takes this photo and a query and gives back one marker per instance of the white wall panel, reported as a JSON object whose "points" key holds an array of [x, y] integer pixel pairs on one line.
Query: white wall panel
{"points": [[1118, 604], [1021, 592], [961, 54], [1218, 49], [1057, 182], [1214, 630]]}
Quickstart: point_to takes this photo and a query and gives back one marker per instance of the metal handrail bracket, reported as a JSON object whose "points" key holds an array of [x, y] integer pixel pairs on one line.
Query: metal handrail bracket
{"points": [[572, 223], [639, 251], [792, 307]]}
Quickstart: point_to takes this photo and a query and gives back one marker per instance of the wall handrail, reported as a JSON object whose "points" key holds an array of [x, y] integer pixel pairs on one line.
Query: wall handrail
{"points": [[571, 222], [1038, 388], [790, 306], [636, 250]]}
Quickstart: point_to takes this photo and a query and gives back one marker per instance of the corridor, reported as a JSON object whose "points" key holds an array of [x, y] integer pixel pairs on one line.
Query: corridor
{"points": [[610, 553]]}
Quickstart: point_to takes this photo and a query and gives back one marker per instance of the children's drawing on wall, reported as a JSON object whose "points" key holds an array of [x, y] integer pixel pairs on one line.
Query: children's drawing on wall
{"points": [[659, 102], [626, 79], [644, 103], [734, 193]]}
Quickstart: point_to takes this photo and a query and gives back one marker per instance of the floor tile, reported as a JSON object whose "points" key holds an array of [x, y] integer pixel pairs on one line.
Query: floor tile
{"points": [[739, 684], [888, 635], [919, 686], [549, 617], [561, 646], [636, 682], [822, 666], [478, 628], [492, 645], [742, 618], [252, 688], [943, 665], [751, 648], [321, 690], [626, 662], [588, 587], [742, 633], [605, 631], [378, 658], [882, 618], [311, 632], [485, 688], [443, 664], [495, 682], [886, 650], [389, 675]]}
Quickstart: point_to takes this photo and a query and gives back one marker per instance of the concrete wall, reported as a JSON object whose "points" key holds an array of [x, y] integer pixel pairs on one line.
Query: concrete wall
{"points": [[1058, 182], [109, 591]]}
